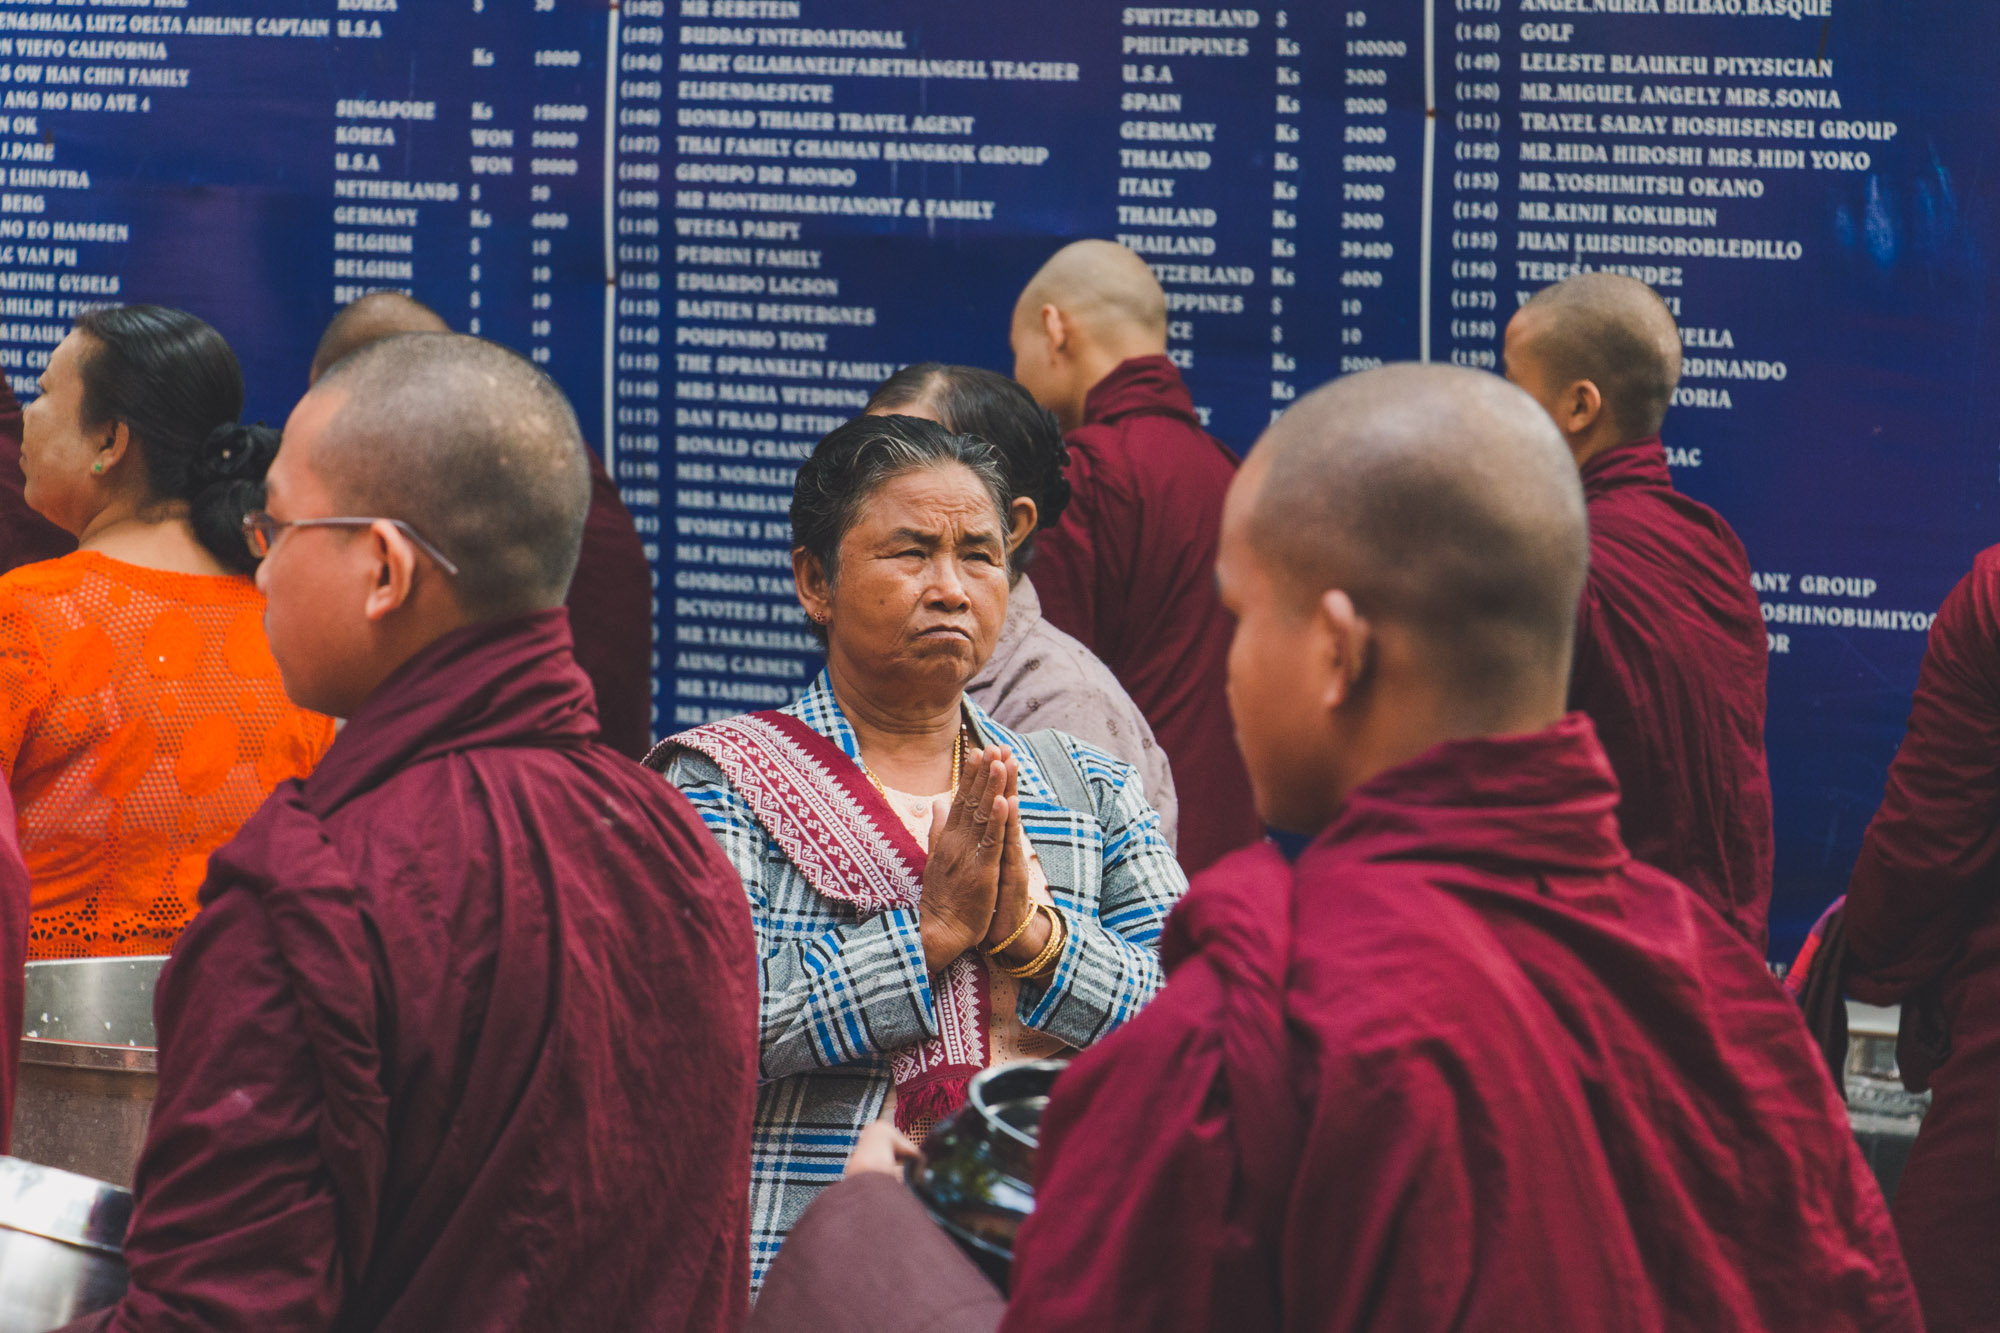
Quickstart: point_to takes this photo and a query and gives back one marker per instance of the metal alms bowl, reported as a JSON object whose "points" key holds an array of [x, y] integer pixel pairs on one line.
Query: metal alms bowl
{"points": [[976, 1174], [61, 1239], [88, 1065]]}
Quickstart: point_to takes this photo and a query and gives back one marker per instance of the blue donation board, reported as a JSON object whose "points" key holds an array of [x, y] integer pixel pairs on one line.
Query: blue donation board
{"points": [[718, 222]]}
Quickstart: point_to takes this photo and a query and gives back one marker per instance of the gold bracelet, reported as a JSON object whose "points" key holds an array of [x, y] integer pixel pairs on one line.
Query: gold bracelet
{"points": [[1027, 919], [1045, 961], [1058, 937], [1035, 909]]}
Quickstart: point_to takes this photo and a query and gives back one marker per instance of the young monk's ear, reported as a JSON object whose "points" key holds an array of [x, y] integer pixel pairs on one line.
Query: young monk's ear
{"points": [[1056, 327], [1582, 406], [815, 591], [394, 572], [1348, 641]]}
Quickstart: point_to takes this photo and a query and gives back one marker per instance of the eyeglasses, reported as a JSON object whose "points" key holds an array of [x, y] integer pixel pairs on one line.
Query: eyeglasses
{"points": [[261, 533]]}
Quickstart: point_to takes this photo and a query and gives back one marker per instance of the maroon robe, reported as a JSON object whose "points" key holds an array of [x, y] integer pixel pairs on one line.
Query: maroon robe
{"points": [[1670, 662], [1467, 1066], [25, 536], [611, 615], [463, 1036], [1923, 931], [1130, 571], [13, 961]]}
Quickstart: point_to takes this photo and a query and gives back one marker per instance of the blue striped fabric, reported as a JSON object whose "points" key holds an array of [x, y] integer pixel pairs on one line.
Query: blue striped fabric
{"points": [[839, 994]]}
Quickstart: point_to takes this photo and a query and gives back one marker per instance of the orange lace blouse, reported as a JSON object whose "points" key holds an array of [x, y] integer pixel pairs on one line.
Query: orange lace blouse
{"points": [[141, 722]]}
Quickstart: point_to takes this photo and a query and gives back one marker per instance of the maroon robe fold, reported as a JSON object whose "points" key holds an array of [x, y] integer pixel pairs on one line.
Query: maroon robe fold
{"points": [[1923, 930], [13, 961], [463, 1036], [25, 536], [1671, 656], [611, 617], [1466, 1066], [1130, 571]]}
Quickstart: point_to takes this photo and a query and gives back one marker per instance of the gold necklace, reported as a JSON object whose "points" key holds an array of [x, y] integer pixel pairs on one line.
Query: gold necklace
{"points": [[957, 754]]}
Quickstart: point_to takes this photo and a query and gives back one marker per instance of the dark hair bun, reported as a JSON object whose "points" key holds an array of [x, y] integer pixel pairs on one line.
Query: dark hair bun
{"points": [[235, 452], [1052, 488], [227, 472]]}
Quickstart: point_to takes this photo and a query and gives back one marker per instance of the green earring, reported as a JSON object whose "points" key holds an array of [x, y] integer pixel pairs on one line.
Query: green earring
{"points": [[98, 466]]}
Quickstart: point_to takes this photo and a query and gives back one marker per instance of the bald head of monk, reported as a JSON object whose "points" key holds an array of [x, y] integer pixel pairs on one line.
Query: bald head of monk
{"points": [[369, 319], [1403, 551], [468, 468], [1601, 353], [1093, 305]]}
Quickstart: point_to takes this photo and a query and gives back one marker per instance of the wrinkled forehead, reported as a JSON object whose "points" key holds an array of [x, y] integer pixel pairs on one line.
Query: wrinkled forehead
{"points": [[943, 499]]}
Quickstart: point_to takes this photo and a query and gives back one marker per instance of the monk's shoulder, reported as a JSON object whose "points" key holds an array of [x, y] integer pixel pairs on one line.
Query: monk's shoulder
{"points": [[1100, 463], [1387, 957], [1964, 640], [1662, 520], [1986, 566], [1224, 948], [1656, 558], [1240, 907], [1174, 447], [438, 829], [1975, 604]]}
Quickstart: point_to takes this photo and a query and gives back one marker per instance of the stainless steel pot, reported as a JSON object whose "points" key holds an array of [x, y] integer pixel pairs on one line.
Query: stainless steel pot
{"points": [[1884, 1114], [976, 1175], [61, 1237], [88, 1065]]}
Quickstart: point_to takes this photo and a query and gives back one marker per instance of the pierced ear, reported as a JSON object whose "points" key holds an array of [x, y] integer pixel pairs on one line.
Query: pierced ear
{"points": [[117, 442], [1022, 516], [814, 589]]}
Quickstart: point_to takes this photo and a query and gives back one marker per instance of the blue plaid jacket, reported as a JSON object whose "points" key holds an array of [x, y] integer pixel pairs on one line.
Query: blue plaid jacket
{"points": [[839, 994]]}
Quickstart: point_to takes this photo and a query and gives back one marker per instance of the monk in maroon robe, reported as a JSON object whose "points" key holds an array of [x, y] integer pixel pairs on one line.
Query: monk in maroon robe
{"points": [[464, 1034], [1467, 1064], [25, 536], [1129, 568], [1923, 931], [1671, 650], [13, 962], [610, 605], [610, 598]]}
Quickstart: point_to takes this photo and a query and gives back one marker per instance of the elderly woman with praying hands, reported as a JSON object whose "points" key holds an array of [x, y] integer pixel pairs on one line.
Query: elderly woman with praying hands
{"points": [[933, 894]]}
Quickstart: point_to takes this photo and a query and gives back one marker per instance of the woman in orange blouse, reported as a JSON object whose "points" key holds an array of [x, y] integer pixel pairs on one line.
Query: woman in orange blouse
{"points": [[141, 716]]}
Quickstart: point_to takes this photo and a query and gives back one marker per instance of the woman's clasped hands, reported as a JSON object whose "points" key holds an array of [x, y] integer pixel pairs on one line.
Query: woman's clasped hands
{"points": [[975, 888]]}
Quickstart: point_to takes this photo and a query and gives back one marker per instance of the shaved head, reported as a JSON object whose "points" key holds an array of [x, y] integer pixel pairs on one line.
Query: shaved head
{"points": [[1091, 308], [1439, 498], [1108, 291], [1615, 332], [474, 448], [373, 317]]}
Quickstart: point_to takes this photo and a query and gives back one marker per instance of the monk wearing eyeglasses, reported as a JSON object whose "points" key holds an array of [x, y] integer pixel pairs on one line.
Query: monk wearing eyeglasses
{"points": [[463, 1035], [610, 599]]}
